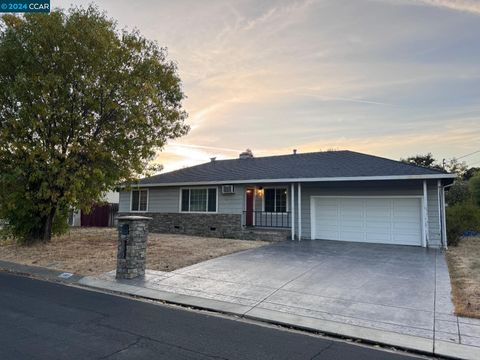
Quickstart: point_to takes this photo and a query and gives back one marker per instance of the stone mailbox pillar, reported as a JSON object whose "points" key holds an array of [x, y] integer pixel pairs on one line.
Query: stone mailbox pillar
{"points": [[132, 246]]}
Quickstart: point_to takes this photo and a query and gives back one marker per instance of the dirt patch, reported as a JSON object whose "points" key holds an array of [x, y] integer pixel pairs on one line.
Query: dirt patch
{"points": [[90, 251], [464, 266]]}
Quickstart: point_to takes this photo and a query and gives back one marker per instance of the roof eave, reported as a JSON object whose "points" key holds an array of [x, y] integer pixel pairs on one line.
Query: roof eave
{"points": [[288, 180]]}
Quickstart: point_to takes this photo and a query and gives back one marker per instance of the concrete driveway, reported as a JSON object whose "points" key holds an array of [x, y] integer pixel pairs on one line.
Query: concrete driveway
{"points": [[397, 295]]}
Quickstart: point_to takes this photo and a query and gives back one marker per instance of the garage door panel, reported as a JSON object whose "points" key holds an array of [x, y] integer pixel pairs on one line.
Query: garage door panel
{"points": [[327, 213], [406, 239], [406, 214], [351, 221], [329, 229], [376, 220], [411, 227], [380, 238], [327, 235], [351, 235], [383, 214], [378, 226]]}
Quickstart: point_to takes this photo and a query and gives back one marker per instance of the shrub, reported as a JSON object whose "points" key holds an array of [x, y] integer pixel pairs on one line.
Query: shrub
{"points": [[475, 188], [461, 218], [458, 193]]}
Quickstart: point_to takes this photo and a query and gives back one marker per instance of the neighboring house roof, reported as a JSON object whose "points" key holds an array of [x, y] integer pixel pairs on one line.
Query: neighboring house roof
{"points": [[317, 166]]}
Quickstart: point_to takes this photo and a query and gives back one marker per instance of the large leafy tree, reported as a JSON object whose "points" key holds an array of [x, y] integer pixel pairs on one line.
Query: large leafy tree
{"points": [[83, 106]]}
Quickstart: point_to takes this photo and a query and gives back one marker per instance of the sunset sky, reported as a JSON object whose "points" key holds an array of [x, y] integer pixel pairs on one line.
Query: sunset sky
{"points": [[386, 77]]}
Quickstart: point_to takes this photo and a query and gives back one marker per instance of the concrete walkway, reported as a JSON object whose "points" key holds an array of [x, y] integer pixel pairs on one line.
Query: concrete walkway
{"points": [[395, 295]]}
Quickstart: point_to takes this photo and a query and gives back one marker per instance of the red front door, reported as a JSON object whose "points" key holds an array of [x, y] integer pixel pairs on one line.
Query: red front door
{"points": [[249, 207]]}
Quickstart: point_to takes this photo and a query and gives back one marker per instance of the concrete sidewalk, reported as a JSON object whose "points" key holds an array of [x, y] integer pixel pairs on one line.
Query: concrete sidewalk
{"points": [[394, 295]]}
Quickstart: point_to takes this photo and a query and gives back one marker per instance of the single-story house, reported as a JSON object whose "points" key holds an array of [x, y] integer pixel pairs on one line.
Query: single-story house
{"points": [[331, 195]]}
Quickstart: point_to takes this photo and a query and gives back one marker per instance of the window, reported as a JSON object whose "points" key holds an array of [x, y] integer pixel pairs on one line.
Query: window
{"points": [[199, 200], [139, 200], [275, 200]]}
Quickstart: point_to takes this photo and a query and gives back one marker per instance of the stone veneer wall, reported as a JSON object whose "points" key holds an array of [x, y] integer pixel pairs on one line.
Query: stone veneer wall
{"points": [[132, 247], [209, 225]]}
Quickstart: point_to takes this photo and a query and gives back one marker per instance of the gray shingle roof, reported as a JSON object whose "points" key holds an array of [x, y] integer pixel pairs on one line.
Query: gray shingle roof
{"points": [[329, 164]]}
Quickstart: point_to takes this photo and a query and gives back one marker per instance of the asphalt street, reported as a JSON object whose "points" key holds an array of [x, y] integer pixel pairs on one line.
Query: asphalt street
{"points": [[44, 320]]}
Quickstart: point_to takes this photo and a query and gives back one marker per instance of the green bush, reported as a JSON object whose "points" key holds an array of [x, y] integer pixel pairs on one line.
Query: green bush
{"points": [[461, 218], [474, 184], [458, 193]]}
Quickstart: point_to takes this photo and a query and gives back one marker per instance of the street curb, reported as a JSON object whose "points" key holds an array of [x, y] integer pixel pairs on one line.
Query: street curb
{"points": [[456, 351], [40, 272]]}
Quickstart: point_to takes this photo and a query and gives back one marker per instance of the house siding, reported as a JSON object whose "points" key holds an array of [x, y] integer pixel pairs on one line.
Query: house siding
{"points": [[124, 201], [231, 203], [163, 200], [434, 227], [166, 200]]}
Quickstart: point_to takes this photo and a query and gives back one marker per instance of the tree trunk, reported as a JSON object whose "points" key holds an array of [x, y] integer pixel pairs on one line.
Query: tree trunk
{"points": [[46, 236], [42, 233]]}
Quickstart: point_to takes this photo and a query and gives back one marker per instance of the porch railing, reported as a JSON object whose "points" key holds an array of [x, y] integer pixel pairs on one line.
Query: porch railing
{"points": [[267, 219]]}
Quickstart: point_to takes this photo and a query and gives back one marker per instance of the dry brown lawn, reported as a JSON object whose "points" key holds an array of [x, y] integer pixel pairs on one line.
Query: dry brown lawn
{"points": [[464, 266], [90, 251]]}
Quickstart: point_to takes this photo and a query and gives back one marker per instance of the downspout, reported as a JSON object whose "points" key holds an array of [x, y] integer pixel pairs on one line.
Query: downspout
{"points": [[440, 220], [292, 207], [444, 229], [425, 213], [299, 212]]}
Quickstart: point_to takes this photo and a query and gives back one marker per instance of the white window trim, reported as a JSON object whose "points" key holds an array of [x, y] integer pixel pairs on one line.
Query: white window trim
{"points": [[287, 202], [131, 202], [197, 188]]}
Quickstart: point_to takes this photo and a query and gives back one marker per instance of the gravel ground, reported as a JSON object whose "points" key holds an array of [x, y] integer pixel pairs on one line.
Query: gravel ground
{"points": [[464, 266]]}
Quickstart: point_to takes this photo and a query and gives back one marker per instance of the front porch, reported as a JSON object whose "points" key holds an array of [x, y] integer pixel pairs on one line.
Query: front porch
{"points": [[264, 219], [268, 208]]}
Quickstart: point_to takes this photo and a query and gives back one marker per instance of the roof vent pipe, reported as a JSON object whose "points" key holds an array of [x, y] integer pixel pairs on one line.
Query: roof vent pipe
{"points": [[294, 151], [247, 154]]}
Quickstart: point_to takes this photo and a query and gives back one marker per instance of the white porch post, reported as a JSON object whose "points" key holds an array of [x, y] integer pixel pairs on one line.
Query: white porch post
{"points": [[425, 214], [299, 231], [292, 209]]}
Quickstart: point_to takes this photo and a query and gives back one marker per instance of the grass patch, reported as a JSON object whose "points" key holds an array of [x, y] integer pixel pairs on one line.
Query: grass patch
{"points": [[90, 251], [464, 266]]}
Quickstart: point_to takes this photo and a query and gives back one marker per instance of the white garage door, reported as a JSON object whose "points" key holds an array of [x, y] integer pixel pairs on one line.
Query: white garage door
{"points": [[373, 220]]}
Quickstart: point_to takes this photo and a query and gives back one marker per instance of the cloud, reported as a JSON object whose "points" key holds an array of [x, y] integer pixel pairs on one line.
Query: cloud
{"points": [[278, 13], [471, 6], [387, 77]]}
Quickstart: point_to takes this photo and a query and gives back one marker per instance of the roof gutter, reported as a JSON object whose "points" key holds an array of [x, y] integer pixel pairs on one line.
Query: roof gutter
{"points": [[288, 180]]}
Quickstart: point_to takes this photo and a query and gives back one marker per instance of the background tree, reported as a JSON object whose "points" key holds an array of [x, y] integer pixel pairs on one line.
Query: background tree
{"points": [[471, 172], [456, 167], [83, 107], [453, 165], [474, 183], [427, 161], [458, 193]]}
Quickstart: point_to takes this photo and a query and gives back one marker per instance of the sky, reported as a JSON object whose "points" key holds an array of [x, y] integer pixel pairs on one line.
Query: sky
{"points": [[392, 78]]}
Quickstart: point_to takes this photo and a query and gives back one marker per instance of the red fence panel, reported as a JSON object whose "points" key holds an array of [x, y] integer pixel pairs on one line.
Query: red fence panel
{"points": [[99, 216]]}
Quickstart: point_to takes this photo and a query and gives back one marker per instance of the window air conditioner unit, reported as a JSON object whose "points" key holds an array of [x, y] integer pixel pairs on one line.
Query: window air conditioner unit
{"points": [[228, 189]]}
